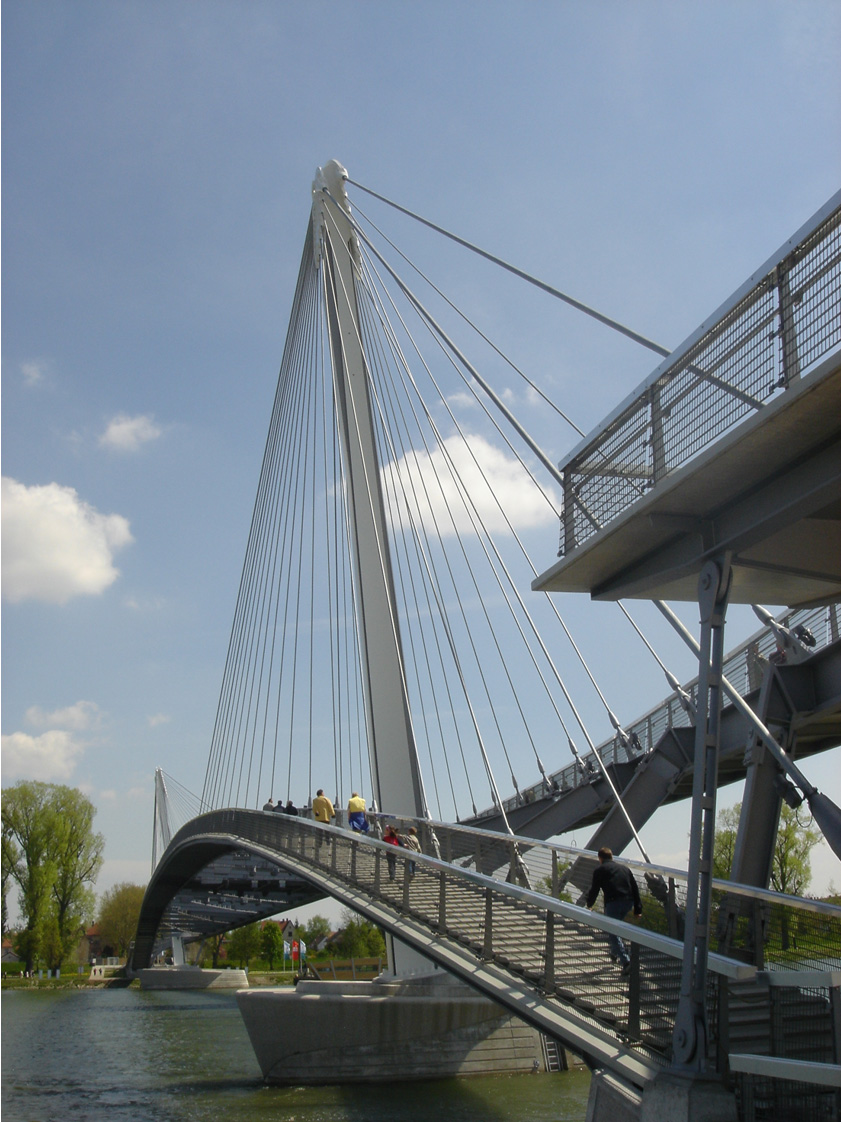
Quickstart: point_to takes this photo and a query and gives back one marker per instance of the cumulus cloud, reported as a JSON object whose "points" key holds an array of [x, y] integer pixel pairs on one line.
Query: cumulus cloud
{"points": [[82, 715], [55, 546], [50, 757], [491, 478], [127, 434]]}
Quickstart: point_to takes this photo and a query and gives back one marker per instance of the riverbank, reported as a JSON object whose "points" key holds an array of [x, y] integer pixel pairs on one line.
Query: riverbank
{"points": [[118, 980]]}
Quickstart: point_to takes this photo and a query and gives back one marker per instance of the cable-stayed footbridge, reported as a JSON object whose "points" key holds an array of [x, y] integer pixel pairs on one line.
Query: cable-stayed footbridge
{"points": [[383, 642]]}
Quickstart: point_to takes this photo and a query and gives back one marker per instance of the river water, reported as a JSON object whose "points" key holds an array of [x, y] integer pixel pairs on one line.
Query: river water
{"points": [[123, 1055]]}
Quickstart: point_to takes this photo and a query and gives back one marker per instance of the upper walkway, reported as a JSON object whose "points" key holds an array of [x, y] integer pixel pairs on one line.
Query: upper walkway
{"points": [[655, 752], [733, 442], [482, 907]]}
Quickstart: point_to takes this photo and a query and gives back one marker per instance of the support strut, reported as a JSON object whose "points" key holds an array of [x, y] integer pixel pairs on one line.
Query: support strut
{"points": [[689, 1044]]}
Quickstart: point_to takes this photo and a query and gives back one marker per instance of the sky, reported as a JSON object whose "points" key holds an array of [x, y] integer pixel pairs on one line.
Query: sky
{"points": [[157, 165]]}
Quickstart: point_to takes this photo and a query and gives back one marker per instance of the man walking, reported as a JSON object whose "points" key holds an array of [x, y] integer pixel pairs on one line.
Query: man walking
{"points": [[322, 811], [621, 893]]}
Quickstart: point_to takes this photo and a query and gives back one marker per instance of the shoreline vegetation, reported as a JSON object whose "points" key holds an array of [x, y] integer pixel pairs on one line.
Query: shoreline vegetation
{"points": [[118, 980]]}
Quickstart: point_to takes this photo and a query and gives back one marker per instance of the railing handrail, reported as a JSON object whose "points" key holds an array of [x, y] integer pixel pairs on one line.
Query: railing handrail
{"points": [[670, 710], [776, 331], [674, 948], [753, 282]]}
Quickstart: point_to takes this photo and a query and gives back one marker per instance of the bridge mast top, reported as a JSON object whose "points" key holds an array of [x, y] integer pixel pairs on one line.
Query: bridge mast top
{"points": [[329, 183]]}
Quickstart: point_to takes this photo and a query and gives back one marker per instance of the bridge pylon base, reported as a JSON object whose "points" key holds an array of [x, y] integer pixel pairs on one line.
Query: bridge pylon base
{"points": [[384, 1031], [669, 1097]]}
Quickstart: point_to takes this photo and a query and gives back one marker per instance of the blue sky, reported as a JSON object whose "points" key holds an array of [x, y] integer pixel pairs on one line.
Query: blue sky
{"points": [[158, 157]]}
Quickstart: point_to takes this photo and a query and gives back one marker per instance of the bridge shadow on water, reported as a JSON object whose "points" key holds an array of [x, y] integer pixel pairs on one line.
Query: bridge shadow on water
{"points": [[558, 1097]]}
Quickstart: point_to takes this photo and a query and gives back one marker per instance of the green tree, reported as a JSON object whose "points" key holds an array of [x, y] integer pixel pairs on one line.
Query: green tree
{"points": [[53, 856], [213, 944], [791, 870], [10, 855], [76, 853], [316, 929], [724, 844], [271, 943], [119, 911], [244, 944], [359, 938]]}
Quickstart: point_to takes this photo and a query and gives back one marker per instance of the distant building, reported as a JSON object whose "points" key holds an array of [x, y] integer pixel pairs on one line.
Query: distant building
{"points": [[9, 952], [91, 948]]}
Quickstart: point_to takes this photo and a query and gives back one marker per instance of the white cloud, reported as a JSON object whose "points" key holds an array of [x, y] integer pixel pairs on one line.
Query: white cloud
{"points": [[82, 715], [127, 434], [55, 546], [158, 719], [50, 757], [33, 372], [462, 400], [491, 478]]}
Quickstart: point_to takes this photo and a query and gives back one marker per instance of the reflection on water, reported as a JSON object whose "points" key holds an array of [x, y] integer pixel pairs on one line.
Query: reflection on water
{"points": [[129, 1056]]}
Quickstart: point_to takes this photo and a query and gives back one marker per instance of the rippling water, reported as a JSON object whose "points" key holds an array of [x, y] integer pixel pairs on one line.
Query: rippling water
{"points": [[129, 1056]]}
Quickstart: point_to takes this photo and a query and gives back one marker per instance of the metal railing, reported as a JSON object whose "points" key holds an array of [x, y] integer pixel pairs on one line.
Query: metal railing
{"points": [[495, 898], [744, 667], [770, 333]]}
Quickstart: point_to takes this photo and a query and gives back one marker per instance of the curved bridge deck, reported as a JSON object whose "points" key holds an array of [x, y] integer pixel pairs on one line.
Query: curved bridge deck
{"points": [[541, 957]]}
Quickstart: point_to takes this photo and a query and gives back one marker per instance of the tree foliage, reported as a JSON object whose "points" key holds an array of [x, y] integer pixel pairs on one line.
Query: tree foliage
{"points": [[52, 854], [271, 943], [791, 870], [317, 927], [119, 911], [724, 844], [359, 938], [244, 944]]}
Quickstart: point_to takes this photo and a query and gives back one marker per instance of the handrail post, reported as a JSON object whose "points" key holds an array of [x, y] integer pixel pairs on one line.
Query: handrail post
{"points": [[658, 443], [377, 867], [556, 880], [634, 994], [487, 946], [407, 880], [567, 544], [353, 849], [442, 901], [788, 331], [549, 964], [671, 909]]}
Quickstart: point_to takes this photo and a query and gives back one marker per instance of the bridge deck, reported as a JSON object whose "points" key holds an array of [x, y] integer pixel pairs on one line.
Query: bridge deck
{"points": [[542, 958]]}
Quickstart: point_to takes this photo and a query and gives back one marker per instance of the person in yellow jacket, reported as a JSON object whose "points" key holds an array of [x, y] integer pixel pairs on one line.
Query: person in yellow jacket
{"points": [[322, 808], [322, 811], [356, 814]]}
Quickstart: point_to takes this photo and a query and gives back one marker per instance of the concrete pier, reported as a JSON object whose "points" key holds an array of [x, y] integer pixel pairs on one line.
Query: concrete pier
{"points": [[190, 978], [363, 1032]]}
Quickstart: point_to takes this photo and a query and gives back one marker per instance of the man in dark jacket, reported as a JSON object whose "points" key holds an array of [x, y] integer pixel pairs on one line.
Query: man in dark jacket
{"points": [[621, 893]]}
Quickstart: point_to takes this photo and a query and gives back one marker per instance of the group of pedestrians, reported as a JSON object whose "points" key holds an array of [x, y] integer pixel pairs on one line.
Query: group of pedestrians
{"points": [[409, 840], [616, 882], [278, 807]]}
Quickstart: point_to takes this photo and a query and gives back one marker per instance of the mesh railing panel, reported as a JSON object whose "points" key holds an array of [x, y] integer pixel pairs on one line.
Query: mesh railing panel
{"points": [[773, 335], [744, 667]]}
